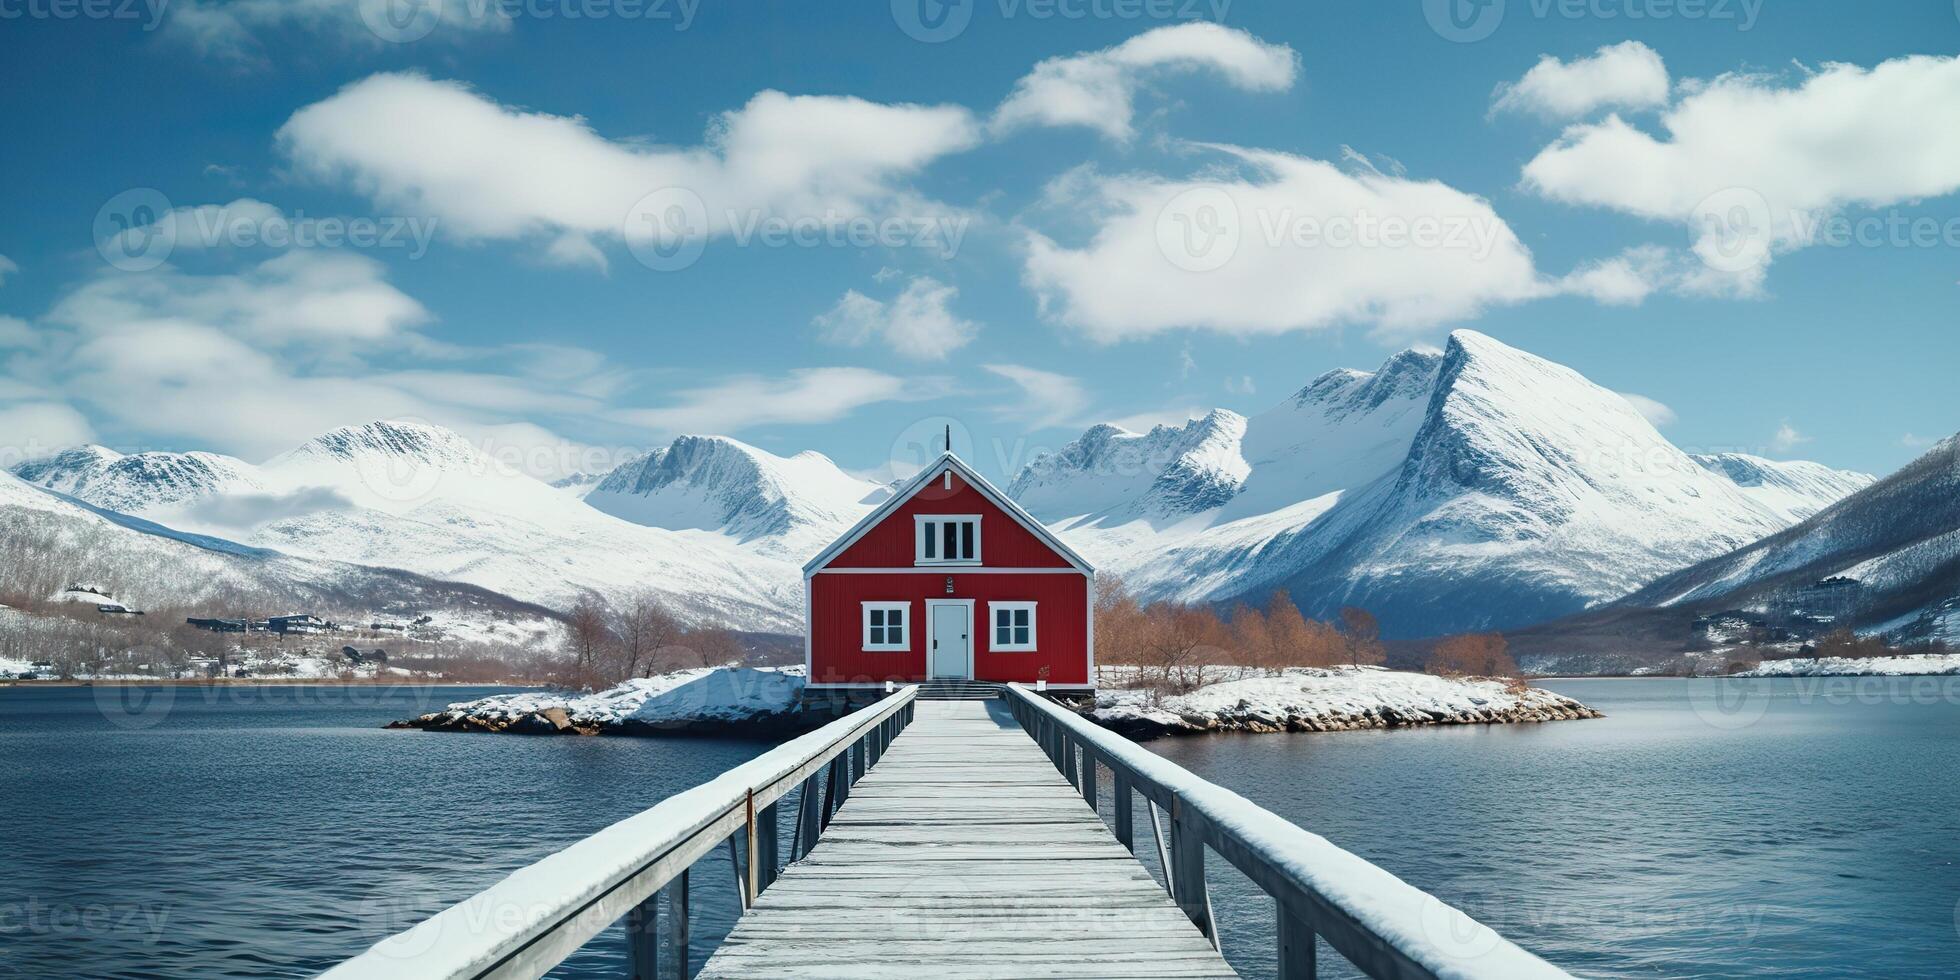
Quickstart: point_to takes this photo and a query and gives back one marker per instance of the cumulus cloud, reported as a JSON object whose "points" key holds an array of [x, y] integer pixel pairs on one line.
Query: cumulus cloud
{"points": [[1047, 398], [311, 296], [30, 430], [804, 396], [917, 323], [248, 510], [1628, 75], [439, 148], [1751, 166], [1291, 243], [1656, 413], [1097, 89]]}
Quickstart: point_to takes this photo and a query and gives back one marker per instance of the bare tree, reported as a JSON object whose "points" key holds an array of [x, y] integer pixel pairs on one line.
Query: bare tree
{"points": [[587, 625], [1472, 654], [1364, 636], [642, 627]]}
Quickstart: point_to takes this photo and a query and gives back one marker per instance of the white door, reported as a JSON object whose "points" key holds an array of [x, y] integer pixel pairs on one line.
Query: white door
{"points": [[950, 652]]}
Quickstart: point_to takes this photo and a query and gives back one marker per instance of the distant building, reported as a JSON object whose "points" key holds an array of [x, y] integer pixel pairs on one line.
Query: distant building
{"points": [[218, 625], [296, 624]]}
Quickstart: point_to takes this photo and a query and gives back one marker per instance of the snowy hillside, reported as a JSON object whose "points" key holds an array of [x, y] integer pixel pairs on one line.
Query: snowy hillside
{"points": [[1479, 487], [424, 499], [49, 543], [1885, 558]]}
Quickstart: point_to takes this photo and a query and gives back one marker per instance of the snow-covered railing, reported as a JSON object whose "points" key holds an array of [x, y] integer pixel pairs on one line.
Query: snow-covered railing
{"points": [[1383, 925], [532, 920]]}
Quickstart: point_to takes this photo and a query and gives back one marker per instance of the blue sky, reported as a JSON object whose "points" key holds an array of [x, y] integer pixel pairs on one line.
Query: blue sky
{"points": [[500, 158]]}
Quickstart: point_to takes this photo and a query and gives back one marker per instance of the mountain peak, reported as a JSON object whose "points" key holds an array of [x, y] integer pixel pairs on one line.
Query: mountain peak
{"points": [[392, 438]]}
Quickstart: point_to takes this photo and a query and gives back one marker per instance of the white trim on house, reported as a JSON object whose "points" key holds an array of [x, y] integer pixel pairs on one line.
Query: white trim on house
{"points": [[993, 627], [887, 607], [947, 462], [920, 537]]}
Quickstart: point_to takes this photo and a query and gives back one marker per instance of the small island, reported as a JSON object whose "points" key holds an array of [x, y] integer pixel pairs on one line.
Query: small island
{"points": [[769, 702]]}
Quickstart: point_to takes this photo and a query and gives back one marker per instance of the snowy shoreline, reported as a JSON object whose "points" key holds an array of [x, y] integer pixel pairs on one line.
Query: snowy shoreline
{"points": [[762, 701], [1909, 665], [1328, 700]]}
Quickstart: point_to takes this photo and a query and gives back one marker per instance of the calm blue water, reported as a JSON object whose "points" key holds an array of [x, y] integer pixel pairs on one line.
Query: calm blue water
{"points": [[1811, 829]]}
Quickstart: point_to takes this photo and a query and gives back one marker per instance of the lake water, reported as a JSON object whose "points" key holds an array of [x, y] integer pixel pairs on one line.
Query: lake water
{"points": [[1807, 827]]}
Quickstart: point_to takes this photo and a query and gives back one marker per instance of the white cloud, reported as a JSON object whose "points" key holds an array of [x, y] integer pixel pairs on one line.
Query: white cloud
{"points": [[30, 430], [1241, 385], [14, 332], [298, 296], [492, 171], [1911, 441], [7, 268], [1657, 414], [805, 396], [232, 28], [1299, 245], [1628, 75], [1097, 88], [1787, 438], [1047, 398], [917, 323], [1750, 165]]}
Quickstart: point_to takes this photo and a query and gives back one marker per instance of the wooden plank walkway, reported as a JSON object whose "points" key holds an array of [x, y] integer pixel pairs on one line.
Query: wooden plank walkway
{"points": [[964, 854]]}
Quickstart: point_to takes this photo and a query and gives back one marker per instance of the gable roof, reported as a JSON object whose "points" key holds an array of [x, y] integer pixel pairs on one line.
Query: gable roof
{"points": [[947, 461]]}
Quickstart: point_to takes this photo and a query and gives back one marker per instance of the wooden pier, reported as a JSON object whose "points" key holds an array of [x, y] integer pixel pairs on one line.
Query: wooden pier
{"points": [[962, 839], [965, 853]]}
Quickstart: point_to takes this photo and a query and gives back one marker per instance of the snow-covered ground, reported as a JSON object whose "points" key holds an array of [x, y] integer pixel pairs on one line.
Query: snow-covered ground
{"points": [[1310, 699], [718, 698], [1911, 664]]}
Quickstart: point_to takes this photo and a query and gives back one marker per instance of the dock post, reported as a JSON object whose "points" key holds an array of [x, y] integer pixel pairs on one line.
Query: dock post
{"points": [[677, 922], [1188, 870], [1088, 776], [1296, 946], [808, 812], [643, 940], [766, 847], [1125, 807]]}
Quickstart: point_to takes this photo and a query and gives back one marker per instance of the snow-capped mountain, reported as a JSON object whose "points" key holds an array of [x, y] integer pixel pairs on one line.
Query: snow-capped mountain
{"points": [[49, 542], [426, 500], [1478, 487], [1884, 558], [139, 481], [784, 508]]}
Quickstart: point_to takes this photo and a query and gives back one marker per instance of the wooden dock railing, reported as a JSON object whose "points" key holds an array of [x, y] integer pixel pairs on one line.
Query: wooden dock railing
{"points": [[532, 920], [1384, 926]]}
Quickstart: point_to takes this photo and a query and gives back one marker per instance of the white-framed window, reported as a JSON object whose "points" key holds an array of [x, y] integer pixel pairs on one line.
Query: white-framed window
{"points": [[887, 625], [946, 539], [1012, 625]]}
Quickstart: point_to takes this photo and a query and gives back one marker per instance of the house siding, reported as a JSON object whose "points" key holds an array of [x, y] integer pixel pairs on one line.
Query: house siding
{"points": [[1061, 624], [1004, 543]]}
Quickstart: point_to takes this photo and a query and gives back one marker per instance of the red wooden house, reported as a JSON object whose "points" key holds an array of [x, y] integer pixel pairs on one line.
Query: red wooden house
{"points": [[949, 579]]}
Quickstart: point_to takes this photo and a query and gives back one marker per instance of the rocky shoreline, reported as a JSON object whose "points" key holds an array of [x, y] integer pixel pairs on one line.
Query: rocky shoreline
{"points": [[1336, 700], [747, 702]]}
